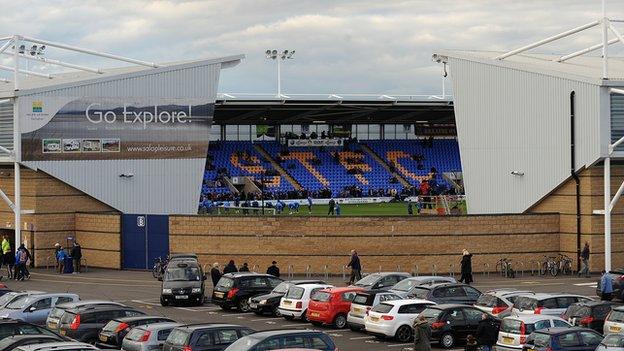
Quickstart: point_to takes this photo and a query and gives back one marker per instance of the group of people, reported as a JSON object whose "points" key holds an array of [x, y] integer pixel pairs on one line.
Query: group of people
{"points": [[216, 273], [16, 262], [60, 254]]}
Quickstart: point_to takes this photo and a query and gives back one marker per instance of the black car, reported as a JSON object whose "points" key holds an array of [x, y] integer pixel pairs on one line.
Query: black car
{"points": [[10, 327], [617, 277], [116, 330], [11, 342], [204, 337], [84, 323], [563, 339], [235, 289], [284, 339], [451, 323], [447, 293], [183, 282], [268, 303], [588, 314], [381, 280]]}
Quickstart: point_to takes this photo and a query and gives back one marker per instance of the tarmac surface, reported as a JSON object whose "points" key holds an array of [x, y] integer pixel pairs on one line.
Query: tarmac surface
{"points": [[141, 290]]}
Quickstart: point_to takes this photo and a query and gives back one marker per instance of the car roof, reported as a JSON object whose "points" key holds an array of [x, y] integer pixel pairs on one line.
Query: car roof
{"points": [[189, 262], [96, 308], [314, 285], [508, 292], [44, 295], [305, 281], [438, 285], [452, 305], [408, 302], [79, 303], [531, 318], [28, 336], [384, 274], [594, 303], [559, 330], [208, 325], [235, 275], [138, 318], [56, 345], [276, 332], [375, 292], [541, 296], [343, 289], [158, 326]]}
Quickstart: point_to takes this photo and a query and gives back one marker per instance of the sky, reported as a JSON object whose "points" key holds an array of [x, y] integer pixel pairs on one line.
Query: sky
{"points": [[359, 46]]}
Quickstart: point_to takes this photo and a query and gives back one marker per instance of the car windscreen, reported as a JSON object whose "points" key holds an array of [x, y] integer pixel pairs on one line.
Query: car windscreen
{"points": [[282, 288], [20, 303], [321, 296], [616, 316], [182, 274], [363, 299], [112, 325], [178, 337], [295, 292], [405, 285], [541, 340], [6, 298], [525, 303], [56, 312], [487, 300], [225, 282], [135, 334], [245, 343], [613, 340], [514, 326], [420, 293], [382, 308], [577, 311], [369, 280]]}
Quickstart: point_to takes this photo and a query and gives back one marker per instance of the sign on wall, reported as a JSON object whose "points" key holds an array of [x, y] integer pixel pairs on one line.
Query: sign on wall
{"points": [[315, 142], [113, 128]]}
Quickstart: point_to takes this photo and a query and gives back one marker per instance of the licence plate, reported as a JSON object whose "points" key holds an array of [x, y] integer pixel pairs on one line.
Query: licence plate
{"points": [[181, 297], [315, 314], [218, 294], [374, 319], [62, 332], [287, 302], [357, 310], [615, 329], [52, 325], [103, 338], [507, 340]]}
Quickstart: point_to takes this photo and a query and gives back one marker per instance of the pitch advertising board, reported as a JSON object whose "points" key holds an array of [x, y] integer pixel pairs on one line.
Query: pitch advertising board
{"points": [[114, 128]]}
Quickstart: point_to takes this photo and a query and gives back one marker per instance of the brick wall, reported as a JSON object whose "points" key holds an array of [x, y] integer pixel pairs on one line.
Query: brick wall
{"points": [[100, 238]]}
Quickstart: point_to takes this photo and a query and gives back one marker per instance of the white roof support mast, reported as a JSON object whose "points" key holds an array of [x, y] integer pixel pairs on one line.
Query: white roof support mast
{"points": [[17, 44]]}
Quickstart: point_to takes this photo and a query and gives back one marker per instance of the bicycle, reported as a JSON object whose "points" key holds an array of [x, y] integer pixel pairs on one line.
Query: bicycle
{"points": [[565, 264], [158, 271], [549, 266], [504, 266]]}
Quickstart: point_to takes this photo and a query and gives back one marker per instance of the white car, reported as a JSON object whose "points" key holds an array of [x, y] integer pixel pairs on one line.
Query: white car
{"points": [[499, 302], [395, 318], [614, 323], [295, 303], [362, 304], [515, 330], [550, 304]]}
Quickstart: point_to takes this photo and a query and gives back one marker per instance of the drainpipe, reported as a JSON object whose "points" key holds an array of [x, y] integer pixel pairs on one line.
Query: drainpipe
{"points": [[577, 182]]}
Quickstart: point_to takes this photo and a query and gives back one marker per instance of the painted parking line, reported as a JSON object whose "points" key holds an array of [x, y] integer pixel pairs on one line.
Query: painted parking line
{"points": [[146, 303], [291, 325], [362, 338], [399, 345], [589, 285], [264, 319]]}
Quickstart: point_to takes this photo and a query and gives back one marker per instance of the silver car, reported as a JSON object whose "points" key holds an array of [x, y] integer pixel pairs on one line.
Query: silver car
{"points": [[550, 304], [54, 318], [515, 330], [148, 337], [612, 342], [15, 295], [405, 286], [35, 308], [499, 302], [58, 346]]}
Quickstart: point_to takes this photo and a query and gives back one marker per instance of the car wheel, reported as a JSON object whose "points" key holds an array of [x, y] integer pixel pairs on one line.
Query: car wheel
{"points": [[288, 318], [447, 340], [277, 313], [404, 334], [243, 306], [163, 302], [340, 321]]}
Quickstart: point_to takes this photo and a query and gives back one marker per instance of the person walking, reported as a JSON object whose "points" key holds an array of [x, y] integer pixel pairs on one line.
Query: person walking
{"points": [[273, 269], [606, 286], [356, 267], [29, 260], [244, 268], [337, 207], [215, 274], [309, 204], [422, 334], [21, 258], [585, 261], [76, 255], [230, 268], [7, 256], [410, 208], [332, 205], [487, 333], [466, 268]]}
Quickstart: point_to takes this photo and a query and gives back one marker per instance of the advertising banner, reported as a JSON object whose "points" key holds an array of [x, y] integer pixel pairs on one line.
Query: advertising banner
{"points": [[315, 142], [114, 128]]}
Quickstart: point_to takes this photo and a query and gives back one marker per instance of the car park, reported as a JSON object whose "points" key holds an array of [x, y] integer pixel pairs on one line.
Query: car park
{"points": [[54, 318], [204, 337], [381, 280], [9, 327], [451, 323], [514, 330], [394, 319], [84, 323], [612, 342], [331, 306], [235, 289], [183, 282], [11, 342], [284, 339], [57, 346], [563, 339], [148, 337], [363, 302], [405, 286], [614, 323], [35, 308], [294, 304], [115, 331], [499, 302], [446, 293], [589, 314], [269, 303], [551, 304]]}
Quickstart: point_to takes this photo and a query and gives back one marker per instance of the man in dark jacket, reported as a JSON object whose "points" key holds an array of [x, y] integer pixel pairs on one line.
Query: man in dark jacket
{"points": [[332, 205], [230, 268], [356, 267], [215, 274], [273, 269], [585, 261], [487, 332], [244, 268], [76, 255]]}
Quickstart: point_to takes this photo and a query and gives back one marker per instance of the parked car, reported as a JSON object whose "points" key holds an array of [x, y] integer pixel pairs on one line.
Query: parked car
{"points": [[612, 342], [84, 323], [381, 280], [514, 330], [204, 337], [15, 295], [183, 257], [452, 322], [499, 302], [54, 318], [446, 293], [588, 314], [11, 342], [116, 330], [284, 339], [183, 282], [269, 303], [614, 323], [617, 277], [35, 308], [9, 327], [331, 306], [294, 304], [148, 337], [405, 286], [395, 318], [58, 346], [235, 289], [563, 339], [363, 302], [552, 304]]}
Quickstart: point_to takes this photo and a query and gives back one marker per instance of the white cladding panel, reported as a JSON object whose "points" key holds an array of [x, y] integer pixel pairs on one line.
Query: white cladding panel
{"points": [[512, 120]]}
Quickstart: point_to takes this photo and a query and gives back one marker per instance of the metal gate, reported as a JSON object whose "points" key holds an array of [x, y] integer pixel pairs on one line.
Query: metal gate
{"points": [[144, 237]]}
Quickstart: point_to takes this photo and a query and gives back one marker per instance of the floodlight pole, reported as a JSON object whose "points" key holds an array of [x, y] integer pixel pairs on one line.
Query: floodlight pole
{"points": [[279, 77], [605, 40], [17, 150]]}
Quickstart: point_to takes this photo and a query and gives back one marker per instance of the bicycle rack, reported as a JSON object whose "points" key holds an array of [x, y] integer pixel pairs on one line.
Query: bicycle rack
{"points": [[290, 271], [539, 266], [325, 272], [86, 265], [521, 264], [255, 268], [308, 274], [379, 269], [415, 270], [398, 267], [486, 269], [344, 273], [434, 269], [48, 264], [452, 270]]}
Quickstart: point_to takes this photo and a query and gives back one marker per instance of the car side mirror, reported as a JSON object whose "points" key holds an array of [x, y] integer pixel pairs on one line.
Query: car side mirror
{"points": [[32, 309]]}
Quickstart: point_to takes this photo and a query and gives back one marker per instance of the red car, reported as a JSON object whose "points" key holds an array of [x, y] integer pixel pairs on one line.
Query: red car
{"points": [[331, 306]]}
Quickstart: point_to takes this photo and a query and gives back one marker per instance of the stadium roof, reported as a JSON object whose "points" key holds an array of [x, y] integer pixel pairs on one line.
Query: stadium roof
{"points": [[581, 68]]}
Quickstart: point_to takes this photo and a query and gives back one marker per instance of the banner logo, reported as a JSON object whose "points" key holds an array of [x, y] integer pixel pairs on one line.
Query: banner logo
{"points": [[37, 106]]}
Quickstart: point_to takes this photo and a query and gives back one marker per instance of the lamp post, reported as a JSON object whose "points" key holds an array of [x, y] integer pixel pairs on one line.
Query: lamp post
{"points": [[277, 56]]}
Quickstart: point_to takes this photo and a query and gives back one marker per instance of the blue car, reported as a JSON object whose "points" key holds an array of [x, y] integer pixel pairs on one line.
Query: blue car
{"points": [[563, 339]]}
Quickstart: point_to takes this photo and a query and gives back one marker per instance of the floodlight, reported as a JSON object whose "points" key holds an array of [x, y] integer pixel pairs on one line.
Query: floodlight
{"points": [[268, 53], [22, 48], [33, 50], [41, 49], [274, 52]]}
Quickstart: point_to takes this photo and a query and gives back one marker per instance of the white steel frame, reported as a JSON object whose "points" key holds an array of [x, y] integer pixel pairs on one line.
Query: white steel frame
{"points": [[15, 155], [606, 25]]}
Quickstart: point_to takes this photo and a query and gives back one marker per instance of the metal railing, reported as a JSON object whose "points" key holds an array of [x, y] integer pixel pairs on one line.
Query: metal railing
{"points": [[452, 270], [415, 272], [486, 269]]}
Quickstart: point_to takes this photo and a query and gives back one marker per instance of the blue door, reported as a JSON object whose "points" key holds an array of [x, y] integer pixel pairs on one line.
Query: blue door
{"points": [[157, 238], [144, 237]]}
